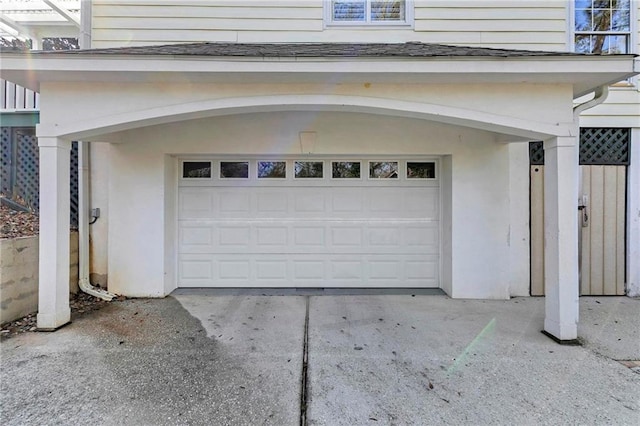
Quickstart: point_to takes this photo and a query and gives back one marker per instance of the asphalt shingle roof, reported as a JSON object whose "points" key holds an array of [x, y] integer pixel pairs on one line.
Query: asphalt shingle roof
{"points": [[314, 50]]}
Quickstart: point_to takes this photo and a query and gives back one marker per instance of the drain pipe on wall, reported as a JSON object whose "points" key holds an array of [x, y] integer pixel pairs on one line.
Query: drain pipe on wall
{"points": [[83, 182], [83, 226], [599, 97]]}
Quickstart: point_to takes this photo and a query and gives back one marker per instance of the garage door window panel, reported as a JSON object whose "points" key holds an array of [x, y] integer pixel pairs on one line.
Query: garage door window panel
{"points": [[383, 170], [196, 170], [234, 170], [345, 169], [421, 170], [308, 169], [272, 169]]}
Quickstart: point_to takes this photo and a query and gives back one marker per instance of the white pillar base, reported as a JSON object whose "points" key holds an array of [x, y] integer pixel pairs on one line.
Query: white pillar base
{"points": [[53, 288], [51, 322], [561, 238]]}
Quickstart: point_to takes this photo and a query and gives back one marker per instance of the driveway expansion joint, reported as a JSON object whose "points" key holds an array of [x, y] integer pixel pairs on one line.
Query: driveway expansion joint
{"points": [[305, 365]]}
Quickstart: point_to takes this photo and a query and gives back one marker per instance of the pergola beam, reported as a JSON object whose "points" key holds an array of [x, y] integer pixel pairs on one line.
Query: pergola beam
{"points": [[64, 12], [20, 29]]}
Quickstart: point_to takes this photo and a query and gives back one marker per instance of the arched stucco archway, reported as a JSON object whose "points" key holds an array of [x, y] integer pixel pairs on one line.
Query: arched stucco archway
{"points": [[109, 123]]}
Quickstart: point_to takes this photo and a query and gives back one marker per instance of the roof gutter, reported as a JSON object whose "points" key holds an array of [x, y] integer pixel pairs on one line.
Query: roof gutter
{"points": [[600, 95]]}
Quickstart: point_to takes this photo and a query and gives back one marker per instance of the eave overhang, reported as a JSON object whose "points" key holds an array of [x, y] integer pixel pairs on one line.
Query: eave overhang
{"points": [[584, 72]]}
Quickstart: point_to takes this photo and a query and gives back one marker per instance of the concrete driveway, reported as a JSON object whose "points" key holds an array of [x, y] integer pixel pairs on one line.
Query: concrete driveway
{"points": [[197, 358]]}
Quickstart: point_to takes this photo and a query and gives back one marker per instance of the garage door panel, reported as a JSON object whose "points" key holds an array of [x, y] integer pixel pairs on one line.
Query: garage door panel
{"points": [[278, 270], [195, 203], [423, 203], [309, 236], [236, 269], [232, 237], [346, 200], [305, 269], [196, 236], [352, 237], [421, 271], [270, 237], [385, 200], [270, 202], [385, 237], [345, 237], [309, 202], [271, 270], [424, 238], [347, 270], [237, 201]]}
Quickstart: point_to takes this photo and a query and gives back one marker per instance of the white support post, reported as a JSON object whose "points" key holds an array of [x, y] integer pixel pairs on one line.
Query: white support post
{"points": [[633, 216], [561, 238], [53, 288]]}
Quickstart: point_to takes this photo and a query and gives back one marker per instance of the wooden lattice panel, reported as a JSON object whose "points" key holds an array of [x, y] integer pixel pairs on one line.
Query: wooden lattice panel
{"points": [[604, 146], [20, 168], [5, 150], [536, 153], [27, 173]]}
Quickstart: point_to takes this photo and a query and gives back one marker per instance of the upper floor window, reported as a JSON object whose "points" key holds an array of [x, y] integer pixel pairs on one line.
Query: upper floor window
{"points": [[368, 12], [602, 26]]}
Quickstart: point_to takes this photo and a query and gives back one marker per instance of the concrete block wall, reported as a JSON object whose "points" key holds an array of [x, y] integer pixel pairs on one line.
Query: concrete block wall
{"points": [[19, 275]]}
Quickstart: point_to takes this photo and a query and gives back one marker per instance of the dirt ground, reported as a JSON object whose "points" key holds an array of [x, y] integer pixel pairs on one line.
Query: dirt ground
{"points": [[15, 224]]}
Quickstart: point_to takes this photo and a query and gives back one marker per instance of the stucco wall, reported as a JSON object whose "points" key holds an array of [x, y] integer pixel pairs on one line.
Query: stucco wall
{"points": [[19, 275], [544, 102], [142, 219]]}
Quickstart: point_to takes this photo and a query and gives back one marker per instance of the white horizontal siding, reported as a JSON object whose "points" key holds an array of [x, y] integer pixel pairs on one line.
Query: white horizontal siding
{"points": [[533, 25], [621, 109], [140, 22]]}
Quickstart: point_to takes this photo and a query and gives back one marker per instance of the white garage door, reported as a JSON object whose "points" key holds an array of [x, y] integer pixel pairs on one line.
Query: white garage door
{"points": [[309, 223]]}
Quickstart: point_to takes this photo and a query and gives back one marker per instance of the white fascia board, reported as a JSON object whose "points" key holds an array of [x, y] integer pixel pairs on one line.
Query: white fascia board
{"points": [[585, 73]]}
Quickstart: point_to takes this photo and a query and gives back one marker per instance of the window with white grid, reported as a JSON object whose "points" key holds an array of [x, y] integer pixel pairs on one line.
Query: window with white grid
{"points": [[369, 12]]}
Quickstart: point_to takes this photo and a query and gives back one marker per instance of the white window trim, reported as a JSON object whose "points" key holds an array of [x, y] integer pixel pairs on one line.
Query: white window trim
{"points": [[407, 23]]}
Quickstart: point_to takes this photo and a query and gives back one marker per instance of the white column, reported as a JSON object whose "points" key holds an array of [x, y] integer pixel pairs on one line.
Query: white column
{"points": [[53, 296], [633, 216], [561, 237]]}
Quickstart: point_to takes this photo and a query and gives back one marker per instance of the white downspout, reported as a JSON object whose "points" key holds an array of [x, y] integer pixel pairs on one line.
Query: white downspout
{"points": [[83, 182], [83, 226], [599, 97]]}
